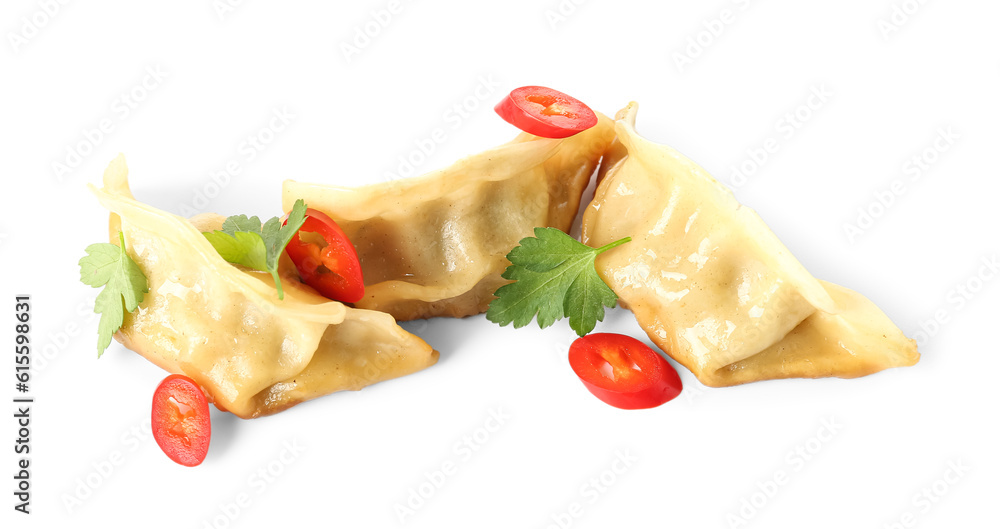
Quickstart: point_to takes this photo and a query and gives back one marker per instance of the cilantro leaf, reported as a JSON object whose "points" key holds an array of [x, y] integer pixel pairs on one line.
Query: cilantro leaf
{"points": [[284, 234], [245, 241], [243, 248], [109, 266], [237, 223], [554, 277]]}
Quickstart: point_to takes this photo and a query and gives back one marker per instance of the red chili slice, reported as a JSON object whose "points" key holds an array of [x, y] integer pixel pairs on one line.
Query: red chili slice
{"points": [[326, 259], [623, 371], [181, 423], [545, 112]]}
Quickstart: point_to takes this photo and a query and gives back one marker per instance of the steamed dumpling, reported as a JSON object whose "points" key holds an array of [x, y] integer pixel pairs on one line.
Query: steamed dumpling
{"points": [[224, 326], [713, 286], [858, 341], [435, 245]]}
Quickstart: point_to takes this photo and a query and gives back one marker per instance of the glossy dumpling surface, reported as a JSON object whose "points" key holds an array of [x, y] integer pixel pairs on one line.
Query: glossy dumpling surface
{"points": [[713, 286], [224, 326], [435, 245]]}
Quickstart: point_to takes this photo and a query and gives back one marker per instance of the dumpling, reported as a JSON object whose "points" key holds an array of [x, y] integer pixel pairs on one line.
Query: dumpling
{"points": [[858, 341], [713, 286], [435, 245], [224, 326]]}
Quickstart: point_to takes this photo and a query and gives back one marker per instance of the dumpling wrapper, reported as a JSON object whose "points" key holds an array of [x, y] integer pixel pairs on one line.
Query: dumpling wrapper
{"points": [[224, 326], [435, 245], [713, 286]]}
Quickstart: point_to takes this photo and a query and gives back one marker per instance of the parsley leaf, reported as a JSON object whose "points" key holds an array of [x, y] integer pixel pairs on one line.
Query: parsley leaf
{"points": [[245, 241], [554, 277], [109, 266]]}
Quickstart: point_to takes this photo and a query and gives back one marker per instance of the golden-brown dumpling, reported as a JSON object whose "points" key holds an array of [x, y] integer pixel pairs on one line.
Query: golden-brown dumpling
{"points": [[224, 326], [713, 286], [435, 245]]}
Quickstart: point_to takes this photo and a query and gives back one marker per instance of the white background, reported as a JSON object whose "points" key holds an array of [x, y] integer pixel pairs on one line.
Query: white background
{"points": [[699, 457]]}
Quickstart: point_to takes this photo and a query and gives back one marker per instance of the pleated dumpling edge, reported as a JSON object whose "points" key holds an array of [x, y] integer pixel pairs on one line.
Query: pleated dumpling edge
{"points": [[436, 244], [223, 325], [711, 284]]}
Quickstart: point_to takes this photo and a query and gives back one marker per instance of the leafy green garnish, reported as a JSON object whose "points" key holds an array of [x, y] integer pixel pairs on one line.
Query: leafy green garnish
{"points": [[245, 241], [554, 277], [109, 266]]}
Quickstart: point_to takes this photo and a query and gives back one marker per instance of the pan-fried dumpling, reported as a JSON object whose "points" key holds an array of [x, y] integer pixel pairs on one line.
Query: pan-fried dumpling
{"points": [[713, 286], [436, 245], [224, 326]]}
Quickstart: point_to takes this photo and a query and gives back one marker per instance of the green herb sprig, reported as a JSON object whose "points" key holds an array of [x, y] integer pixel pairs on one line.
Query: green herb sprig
{"points": [[124, 285], [554, 277], [248, 242]]}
